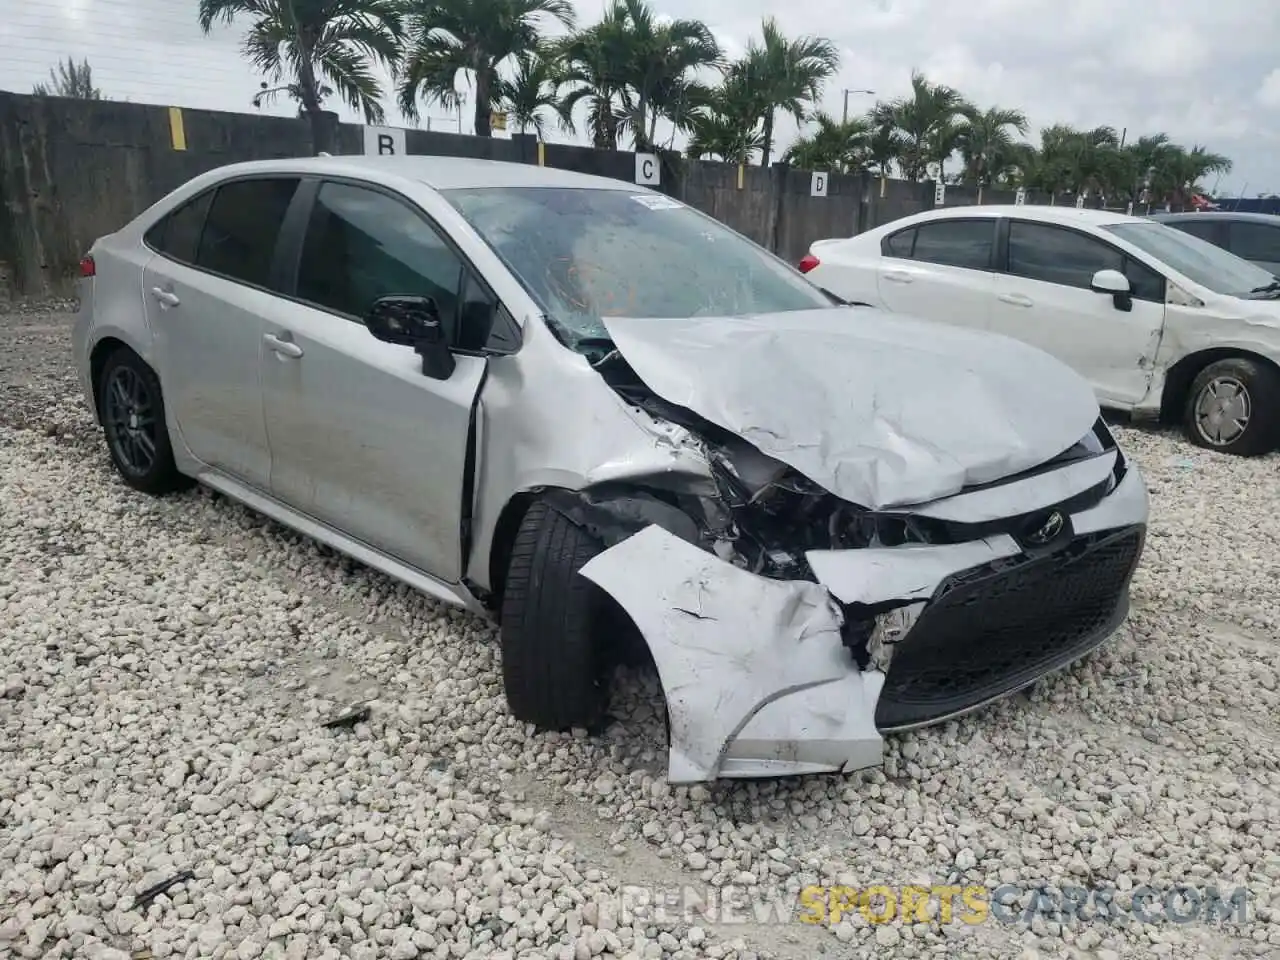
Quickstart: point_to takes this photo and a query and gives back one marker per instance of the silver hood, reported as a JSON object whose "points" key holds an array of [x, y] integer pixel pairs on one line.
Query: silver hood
{"points": [[879, 409]]}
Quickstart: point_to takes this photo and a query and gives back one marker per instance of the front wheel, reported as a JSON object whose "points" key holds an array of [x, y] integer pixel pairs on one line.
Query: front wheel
{"points": [[1234, 407], [554, 665]]}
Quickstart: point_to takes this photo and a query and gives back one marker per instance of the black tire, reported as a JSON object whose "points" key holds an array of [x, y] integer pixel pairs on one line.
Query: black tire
{"points": [[555, 667], [1261, 386], [158, 474]]}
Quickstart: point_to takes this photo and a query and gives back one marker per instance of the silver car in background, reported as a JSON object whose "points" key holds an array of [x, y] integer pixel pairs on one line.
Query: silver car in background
{"points": [[613, 424]]}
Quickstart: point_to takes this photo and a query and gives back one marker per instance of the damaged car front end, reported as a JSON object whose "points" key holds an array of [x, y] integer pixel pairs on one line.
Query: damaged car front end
{"points": [[791, 627], [869, 524]]}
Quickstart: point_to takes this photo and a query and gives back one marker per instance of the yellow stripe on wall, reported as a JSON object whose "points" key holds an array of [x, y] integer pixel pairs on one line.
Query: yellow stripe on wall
{"points": [[542, 154], [177, 131], [742, 175]]}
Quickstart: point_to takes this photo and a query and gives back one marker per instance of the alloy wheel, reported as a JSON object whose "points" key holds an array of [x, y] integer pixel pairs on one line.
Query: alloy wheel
{"points": [[129, 417]]}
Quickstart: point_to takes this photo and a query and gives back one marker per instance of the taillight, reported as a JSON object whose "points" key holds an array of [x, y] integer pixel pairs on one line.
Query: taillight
{"points": [[808, 262], [87, 267]]}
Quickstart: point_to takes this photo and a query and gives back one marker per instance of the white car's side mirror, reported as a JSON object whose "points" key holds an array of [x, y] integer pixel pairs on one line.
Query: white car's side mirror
{"points": [[1109, 281], [1115, 285]]}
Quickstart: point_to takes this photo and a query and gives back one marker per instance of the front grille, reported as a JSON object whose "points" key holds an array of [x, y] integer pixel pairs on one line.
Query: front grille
{"points": [[991, 630]]}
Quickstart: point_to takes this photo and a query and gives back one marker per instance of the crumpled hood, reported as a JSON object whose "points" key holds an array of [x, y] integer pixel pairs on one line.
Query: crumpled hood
{"points": [[879, 409]]}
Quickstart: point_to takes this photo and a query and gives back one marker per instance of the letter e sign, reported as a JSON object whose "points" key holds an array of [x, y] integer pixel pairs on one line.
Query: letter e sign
{"points": [[818, 185], [648, 170], [384, 141]]}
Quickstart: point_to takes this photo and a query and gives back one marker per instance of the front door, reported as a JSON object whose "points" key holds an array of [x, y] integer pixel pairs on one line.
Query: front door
{"points": [[1044, 299], [361, 439], [207, 294]]}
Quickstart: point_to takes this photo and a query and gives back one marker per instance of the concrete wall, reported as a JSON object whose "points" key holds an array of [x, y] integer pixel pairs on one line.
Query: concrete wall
{"points": [[73, 170]]}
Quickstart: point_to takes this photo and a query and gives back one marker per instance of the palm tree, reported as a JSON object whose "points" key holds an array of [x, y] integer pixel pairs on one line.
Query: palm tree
{"points": [[786, 75], [659, 66], [301, 41], [835, 146], [476, 36], [727, 124], [531, 90], [591, 65], [987, 145], [71, 80], [929, 124], [885, 143]]}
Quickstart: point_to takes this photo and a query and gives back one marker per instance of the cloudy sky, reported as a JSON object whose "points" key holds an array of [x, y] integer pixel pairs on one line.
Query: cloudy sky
{"points": [[1204, 72]]}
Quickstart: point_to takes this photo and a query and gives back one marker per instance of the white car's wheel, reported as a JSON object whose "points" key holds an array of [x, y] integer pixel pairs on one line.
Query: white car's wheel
{"points": [[1234, 407]]}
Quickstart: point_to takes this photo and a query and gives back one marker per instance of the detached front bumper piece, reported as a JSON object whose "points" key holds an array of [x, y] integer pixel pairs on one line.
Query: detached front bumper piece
{"points": [[759, 680]]}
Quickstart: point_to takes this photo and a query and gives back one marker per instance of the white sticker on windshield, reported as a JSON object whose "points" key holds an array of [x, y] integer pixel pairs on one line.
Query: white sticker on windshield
{"points": [[656, 201]]}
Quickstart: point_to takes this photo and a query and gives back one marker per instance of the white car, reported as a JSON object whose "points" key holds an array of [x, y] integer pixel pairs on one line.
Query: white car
{"points": [[1161, 323]]}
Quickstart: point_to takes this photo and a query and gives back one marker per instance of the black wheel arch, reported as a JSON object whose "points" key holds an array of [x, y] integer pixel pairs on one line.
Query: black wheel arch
{"points": [[98, 357], [1178, 381], [610, 512]]}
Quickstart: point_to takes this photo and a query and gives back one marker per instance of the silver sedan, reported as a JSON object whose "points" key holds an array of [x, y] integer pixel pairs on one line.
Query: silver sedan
{"points": [[617, 427]]}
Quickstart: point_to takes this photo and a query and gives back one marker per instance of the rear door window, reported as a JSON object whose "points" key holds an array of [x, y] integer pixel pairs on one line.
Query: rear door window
{"points": [[956, 243], [243, 225], [177, 235]]}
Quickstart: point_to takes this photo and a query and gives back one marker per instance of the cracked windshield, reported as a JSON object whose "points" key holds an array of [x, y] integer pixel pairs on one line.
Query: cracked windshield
{"points": [[639, 480]]}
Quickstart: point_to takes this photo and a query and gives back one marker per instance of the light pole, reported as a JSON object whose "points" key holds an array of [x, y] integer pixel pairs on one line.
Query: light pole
{"points": [[844, 117]]}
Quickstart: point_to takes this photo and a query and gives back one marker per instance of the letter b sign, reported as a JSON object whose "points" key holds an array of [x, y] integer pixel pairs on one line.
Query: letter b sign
{"points": [[383, 141]]}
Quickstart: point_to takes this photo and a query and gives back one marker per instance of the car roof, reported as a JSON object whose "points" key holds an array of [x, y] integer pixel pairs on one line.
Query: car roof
{"points": [[1243, 216], [1075, 216], [439, 173]]}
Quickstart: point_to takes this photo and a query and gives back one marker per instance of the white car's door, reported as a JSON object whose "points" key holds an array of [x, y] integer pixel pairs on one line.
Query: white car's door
{"points": [[209, 293], [361, 438], [1044, 298], [940, 270]]}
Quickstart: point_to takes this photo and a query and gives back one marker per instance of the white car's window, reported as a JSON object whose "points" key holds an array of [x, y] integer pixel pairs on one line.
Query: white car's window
{"points": [[177, 235], [1053, 254], [362, 245], [1210, 266], [956, 243], [584, 254], [241, 229], [1256, 241]]}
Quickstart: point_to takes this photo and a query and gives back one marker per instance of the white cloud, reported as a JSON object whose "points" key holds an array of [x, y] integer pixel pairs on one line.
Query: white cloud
{"points": [[1199, 72], [1269, 92]]}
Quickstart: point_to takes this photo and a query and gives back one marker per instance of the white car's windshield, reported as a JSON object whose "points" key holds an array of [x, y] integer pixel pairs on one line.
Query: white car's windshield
{"points": [[1211, 267], [584, 254]]}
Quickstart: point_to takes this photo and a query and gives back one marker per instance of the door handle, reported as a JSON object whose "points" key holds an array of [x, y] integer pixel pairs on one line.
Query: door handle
{"points": [[286, 348], [897, 276], [1017, 299], [166, 297]]}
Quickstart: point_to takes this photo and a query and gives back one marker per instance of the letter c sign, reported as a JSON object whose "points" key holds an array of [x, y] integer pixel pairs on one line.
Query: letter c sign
{"points": [[648, 169]]}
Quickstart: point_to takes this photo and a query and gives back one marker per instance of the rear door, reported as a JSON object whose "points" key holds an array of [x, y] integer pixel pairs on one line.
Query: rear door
{"points": [[940, 270], [208, 294], [1256, 242], [1045, 299], [361, 439]]}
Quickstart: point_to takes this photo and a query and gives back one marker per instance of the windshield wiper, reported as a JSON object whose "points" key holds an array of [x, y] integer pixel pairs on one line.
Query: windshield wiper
{"points": [[1270, 291]]}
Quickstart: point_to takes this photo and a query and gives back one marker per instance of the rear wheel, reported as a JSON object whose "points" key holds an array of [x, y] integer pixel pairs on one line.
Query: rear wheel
{"points": [[554, 663], [131, 407], [1234, 407]]}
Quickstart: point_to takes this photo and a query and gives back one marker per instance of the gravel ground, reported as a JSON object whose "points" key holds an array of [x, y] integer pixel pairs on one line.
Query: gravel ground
{"points": [[167, 669]]}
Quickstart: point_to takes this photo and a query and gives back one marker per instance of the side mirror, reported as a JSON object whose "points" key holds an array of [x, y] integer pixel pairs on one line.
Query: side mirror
{"points": [[1116, 285], [413, 322]]}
